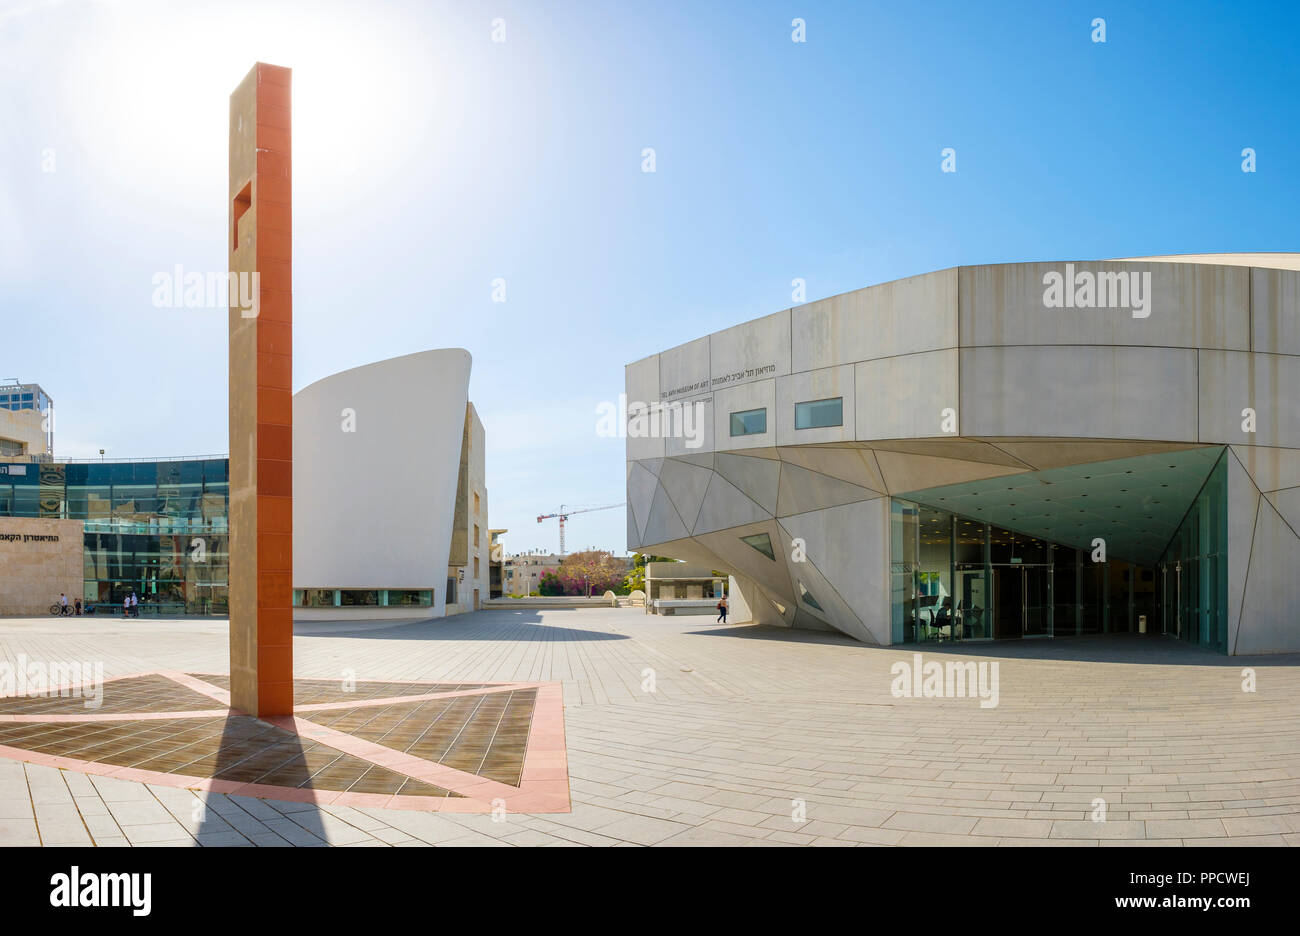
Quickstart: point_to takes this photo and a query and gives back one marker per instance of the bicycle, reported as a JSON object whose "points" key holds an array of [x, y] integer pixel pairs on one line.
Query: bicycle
{"points": [[59, 610]]}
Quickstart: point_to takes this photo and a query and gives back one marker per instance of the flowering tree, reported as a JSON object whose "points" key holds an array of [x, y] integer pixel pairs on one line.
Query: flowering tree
{"points": [[591, 572]]}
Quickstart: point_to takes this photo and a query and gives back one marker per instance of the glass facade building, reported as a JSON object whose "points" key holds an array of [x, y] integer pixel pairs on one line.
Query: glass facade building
{"points": [[23, 397], [159, 529]]}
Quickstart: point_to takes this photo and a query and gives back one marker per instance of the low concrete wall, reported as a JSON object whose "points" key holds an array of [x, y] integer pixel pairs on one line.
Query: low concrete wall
{"points": [[558, 601], [685, 606]]}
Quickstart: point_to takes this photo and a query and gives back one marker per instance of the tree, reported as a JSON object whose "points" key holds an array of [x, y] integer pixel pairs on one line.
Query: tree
{"points": [[550, 584], [591, 572]]}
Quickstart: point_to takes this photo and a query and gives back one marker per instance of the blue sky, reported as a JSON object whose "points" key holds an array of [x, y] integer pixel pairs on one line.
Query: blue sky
{"points": [[430, 160]]}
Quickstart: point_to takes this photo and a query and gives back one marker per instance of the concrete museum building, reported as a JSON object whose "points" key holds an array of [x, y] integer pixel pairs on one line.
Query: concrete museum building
{"points": [[1004, 451]]}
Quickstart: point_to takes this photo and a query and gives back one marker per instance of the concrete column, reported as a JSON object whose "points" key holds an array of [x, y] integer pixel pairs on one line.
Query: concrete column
{"points": [[261, 394]]}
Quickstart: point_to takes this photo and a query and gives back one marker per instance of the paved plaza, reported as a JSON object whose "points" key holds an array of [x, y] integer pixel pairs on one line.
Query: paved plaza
{"points": [[679, 731]]}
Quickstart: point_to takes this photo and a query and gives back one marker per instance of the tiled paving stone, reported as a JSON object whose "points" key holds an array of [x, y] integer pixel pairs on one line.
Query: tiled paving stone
{"points": [[744, 720], [238, 748], [483, 734], [149, 693]]}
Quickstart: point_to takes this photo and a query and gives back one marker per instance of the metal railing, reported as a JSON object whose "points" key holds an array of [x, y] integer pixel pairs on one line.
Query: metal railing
{"points": [[132, 461]]}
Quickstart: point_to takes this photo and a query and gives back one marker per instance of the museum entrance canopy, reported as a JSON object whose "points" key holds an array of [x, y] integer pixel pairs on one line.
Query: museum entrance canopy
{"points": [[1127, 545]]}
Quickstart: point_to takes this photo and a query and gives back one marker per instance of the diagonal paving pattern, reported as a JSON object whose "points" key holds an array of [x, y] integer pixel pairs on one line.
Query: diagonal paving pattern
{"points": [[432, 746], [680, 732]]}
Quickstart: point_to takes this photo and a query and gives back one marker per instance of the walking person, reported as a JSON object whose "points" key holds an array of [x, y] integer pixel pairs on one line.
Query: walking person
{"points": [[63, 603], [722, 609], [126, 607], [135, 605], [78, 604]]}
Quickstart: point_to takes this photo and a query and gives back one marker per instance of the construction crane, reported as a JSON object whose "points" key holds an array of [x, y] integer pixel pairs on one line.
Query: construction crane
{"points": [[565, 514]]}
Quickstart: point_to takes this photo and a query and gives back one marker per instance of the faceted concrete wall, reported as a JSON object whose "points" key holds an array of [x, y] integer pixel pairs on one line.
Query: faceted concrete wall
{"points": [[1263, 549], [966, 374]]}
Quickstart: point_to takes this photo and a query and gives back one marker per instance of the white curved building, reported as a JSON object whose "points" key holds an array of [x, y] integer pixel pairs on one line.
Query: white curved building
{"points": [[386, 456], [1011, 450]]}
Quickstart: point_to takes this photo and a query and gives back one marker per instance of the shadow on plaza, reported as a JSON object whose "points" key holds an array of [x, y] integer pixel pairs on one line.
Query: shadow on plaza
{"points": [[1141, 649], [473, 625], [251, 750], [248, 750]]}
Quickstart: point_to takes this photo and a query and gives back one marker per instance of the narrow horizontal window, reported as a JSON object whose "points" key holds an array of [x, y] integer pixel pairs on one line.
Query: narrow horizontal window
{"points": [[818, 414], [749, 422]]}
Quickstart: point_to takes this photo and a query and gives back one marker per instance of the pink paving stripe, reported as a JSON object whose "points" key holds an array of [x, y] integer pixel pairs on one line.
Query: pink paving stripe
{"points": [[397, 700], [215, 693]]}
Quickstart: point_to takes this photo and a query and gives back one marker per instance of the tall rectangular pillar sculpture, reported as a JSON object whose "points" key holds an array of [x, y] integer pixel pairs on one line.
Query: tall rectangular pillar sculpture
{"points": [[261, 395]]}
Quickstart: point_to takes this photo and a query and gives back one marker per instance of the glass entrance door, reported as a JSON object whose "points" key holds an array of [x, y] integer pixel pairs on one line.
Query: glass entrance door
{"points": [[1022, 600], [973, 609], [1038, 600], [1008, 601]]}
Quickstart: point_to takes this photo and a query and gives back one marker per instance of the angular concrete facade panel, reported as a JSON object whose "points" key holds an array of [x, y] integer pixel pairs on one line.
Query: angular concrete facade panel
{"points": [[1275, 311], [823, 384], [1287, 504], [759, 394], [688, 426], [1269, 384], [640, 492], [1243, 514], [684, 371], [1191, 305], [855, 465], [1272, 587], [685, 485], [725, 505], [643, 389], [906, 397], [802, 490], [820, 604], [904, 472], [753, 351], [1098, 392], [845, 544], [906, 316], [1272, 469], [758, 478], [664, 523]]}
